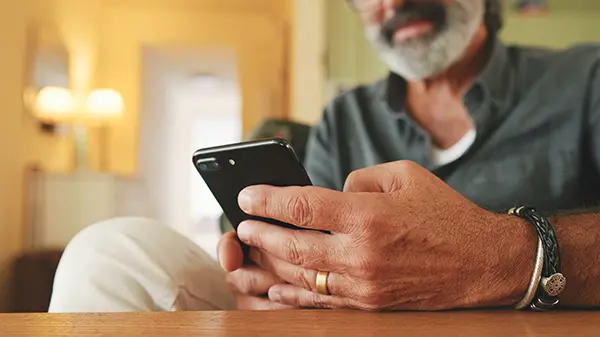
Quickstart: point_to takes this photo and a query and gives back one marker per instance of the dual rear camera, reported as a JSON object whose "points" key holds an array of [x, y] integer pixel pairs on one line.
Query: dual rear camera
{"points": [[211, 164]]}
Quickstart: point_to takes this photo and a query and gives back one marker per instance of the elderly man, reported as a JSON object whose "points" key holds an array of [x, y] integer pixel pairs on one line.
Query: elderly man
{"points": [[430, 159]]}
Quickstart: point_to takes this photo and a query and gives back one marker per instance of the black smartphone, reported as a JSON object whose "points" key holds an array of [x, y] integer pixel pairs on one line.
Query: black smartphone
{"points": [[228, 169]]}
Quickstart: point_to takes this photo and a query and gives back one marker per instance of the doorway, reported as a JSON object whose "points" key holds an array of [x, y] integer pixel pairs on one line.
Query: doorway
{"points": [[190, 99]]}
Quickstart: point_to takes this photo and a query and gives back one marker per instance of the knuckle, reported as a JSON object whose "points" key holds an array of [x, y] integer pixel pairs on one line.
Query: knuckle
{"points": [[241, 282], [410, 170], [260, 204], [407, 165], [354, 179], [250, 284], [292, 251], [317, 301], [301, 279], [300, 211]]}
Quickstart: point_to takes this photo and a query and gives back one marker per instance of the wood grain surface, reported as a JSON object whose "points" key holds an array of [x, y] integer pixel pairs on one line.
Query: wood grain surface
{"points": [[305, 324]]}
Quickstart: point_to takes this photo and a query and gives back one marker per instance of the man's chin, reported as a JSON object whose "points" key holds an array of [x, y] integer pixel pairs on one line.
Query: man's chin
{"points": [[410, 69], [413, 67]]}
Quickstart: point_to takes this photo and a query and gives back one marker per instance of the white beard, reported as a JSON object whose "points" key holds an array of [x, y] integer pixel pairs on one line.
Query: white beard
{"points": [[431, 54]]}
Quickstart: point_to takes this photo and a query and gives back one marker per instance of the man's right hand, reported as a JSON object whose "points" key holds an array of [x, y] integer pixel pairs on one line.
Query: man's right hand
{"points": [[250, 283]]}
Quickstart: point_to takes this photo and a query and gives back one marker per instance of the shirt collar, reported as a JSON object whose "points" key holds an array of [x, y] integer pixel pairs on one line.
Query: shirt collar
{"points": [[493, 80]]}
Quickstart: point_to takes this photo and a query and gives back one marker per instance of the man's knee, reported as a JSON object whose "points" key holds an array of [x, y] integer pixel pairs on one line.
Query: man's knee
{"points": [[136, 264], [119, 234], [131, 241]]}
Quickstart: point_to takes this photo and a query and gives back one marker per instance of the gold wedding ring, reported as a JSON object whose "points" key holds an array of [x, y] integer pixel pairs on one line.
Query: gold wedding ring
{"points": [[321, 283]]}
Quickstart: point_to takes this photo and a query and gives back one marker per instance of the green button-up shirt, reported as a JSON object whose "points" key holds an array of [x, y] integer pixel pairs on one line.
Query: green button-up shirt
{"points": [[537, 116]]}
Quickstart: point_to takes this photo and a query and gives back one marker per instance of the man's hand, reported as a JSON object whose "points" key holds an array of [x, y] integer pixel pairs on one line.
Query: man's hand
{"points": [[402, 240], [250, 283]]}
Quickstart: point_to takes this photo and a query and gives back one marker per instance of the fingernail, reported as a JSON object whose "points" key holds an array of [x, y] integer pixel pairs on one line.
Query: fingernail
{"points": [[243, 232], [245, 199], [274, 295]]}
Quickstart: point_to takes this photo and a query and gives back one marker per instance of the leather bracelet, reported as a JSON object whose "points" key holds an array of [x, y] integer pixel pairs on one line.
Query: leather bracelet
{"points": [[552, 282]]}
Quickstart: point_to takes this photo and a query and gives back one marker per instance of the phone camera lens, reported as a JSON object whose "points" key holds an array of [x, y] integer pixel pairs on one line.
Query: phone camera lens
{"points": [[209, 166]]}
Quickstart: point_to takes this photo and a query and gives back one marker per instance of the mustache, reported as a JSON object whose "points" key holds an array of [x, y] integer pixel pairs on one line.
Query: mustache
{"points": [[411, 11]]}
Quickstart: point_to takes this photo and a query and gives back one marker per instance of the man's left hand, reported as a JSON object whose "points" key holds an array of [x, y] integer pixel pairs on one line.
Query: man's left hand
{"points": [[401, 240]]}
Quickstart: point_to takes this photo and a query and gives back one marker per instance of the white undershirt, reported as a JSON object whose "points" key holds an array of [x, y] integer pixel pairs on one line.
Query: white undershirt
{"points": [[441, 157]]}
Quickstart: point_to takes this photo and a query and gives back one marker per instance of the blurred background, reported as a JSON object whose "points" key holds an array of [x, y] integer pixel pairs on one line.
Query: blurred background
{"points": [[102, 103]]}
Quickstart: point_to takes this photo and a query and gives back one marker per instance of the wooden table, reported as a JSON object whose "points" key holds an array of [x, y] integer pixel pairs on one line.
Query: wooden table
{"points": [[305, 324]]}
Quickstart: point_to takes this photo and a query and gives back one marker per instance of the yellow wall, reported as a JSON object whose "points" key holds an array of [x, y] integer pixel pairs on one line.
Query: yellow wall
{"points": [[559, 29], [308, 66], [256, 35], [104, 38], [12, 45], [351, 59], [20, 140]]}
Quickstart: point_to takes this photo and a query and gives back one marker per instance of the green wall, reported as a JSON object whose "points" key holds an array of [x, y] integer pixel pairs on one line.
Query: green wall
{"points": [[350, 59]]}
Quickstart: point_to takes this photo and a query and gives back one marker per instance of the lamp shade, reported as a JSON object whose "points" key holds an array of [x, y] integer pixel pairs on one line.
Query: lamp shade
{"points": [[53, 103], [104, 103]]}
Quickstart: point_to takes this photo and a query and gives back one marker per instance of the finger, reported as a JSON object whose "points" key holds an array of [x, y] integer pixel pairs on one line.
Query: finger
{"points": [[252, 280], [302, 298], [337, 284], [306, 207], [384, 178], [309, 249], [259, 303], [229, 252]]}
